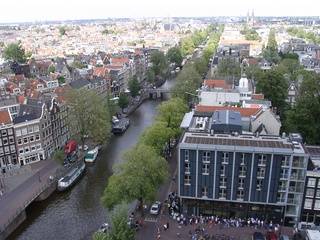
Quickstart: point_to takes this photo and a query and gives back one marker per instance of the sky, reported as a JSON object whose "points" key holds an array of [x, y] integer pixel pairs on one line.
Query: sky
{"points": [[43, 10]]}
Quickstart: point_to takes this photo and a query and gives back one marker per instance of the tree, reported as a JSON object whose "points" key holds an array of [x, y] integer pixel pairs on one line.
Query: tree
{"points": [[134, 86], [270, 53], [62, 30], [137, 177], [151, 76], [159, 63], [228, 67], [188, 81], [51, 69], [187, 46], [157, 136], [88, 115], [61, 80], [174, 56], [274, 86], [304, 116], [201, 65], [78, 64], [123, 101], [172, 112], [59, 156], [15, 52], [120, 230]]}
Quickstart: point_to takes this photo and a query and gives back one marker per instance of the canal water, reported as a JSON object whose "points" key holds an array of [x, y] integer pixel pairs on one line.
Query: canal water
{"points": [[78, 213]]}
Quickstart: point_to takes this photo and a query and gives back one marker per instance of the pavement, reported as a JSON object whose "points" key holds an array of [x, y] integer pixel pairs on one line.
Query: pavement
{"points": [[14, 201]]}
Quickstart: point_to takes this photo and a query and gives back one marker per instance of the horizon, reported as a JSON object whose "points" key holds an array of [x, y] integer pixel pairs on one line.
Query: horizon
{"points": [[72, 10]]}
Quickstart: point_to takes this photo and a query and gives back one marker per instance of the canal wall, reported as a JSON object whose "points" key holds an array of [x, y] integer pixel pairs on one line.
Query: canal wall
{"points": [[13, 225]]}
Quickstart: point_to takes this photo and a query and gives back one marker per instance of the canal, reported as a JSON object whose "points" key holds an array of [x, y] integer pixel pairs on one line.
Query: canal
{"points": [[78, 213]]}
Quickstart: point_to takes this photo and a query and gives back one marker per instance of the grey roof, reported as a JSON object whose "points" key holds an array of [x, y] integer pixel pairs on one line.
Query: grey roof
{"points": [[227, 117], [79, 83], [28, 112], [8, 100]]}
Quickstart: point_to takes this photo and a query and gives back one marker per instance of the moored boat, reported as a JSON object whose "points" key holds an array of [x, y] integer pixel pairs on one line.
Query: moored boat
{"points": [[71, 177], [91, 155]]}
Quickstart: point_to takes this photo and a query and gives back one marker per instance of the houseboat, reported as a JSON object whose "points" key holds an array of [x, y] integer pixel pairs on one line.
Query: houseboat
{"points": [[71, 177]]}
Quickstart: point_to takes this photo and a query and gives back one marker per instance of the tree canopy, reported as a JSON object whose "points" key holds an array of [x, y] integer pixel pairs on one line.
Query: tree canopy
{"points": [[134, 86], [174, 55], [137, 177], [270, 52], [15, 52], [88, 115], [123, 101], [119, 230], [159, 63]]}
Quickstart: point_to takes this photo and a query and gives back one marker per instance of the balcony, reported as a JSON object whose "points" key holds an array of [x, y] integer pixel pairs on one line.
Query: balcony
{"points": [[187, 170], [260, 175], [223, 185], [242, 174], [225, 161]]}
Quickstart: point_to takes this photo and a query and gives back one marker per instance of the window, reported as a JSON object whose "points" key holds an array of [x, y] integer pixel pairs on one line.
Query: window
{"points": [[225, 158], [186, 155], [282, 186], [308, 203], [30, 129], [26, 149], [223, 182], [281, 197], [24, 131], [205, 169], [311, 182], [204, 192], [20, 151], [5, 141], [310, 192], [242, 159], [4, 133], [31, 139], [317, 205], [36, 128], [206, 157], [25, 140], [18, 132], [240, 195], [285, 161], [222, 193], [187, 179], [259, 184], [37, 137], [19, 141], [284, 173], [242, 171], [222, 170], [33, 148], [261, 172], [7, 150], [11, 140], [187, 167], [1, 151], [12, 148], [241, 183], [262, 160], [318, 193]]}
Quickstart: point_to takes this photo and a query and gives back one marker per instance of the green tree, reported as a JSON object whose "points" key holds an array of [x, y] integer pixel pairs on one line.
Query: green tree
{"points": [[123, 101], [270, 53], [51, 69], [62, 30], [157, 136], [134, 86], [188, 81], [304, 116], [59, 156], [172, 112], [61, 80], [174, 55], [120, 230], [187, 46], [138, 177], [78, 64], [15, 52], [201, 65], [159, 63], [88, 115], [227, 67], [274, 86], [151, 77]]}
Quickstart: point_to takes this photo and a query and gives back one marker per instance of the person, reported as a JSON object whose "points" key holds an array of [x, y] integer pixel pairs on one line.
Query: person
{"points": [[167, 225]]}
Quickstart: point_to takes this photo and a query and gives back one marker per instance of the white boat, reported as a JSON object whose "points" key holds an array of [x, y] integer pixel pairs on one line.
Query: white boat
{"points": [[67, 181], [91, 155]]}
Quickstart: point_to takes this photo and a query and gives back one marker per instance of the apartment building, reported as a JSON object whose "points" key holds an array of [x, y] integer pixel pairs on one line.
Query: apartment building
{"points": [[238, 174]]}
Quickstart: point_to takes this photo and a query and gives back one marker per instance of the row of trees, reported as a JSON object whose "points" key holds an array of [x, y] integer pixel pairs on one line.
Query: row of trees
{"points": [[301, 33], [250, 34]]}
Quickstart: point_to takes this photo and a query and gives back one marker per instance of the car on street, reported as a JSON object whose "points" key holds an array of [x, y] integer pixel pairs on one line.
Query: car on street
{"points": [[271, 236], [155, 208], [258, 236]]}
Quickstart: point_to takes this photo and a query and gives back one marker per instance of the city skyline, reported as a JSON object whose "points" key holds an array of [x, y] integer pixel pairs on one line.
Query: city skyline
{"points": [[34, 10]]}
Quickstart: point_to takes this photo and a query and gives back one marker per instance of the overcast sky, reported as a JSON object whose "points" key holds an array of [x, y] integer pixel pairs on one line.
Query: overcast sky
{"points": [[42, 10]]}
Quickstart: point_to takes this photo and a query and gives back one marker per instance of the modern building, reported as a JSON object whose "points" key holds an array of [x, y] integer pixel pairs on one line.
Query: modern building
{"points": [[236, 174], [311, 200]]}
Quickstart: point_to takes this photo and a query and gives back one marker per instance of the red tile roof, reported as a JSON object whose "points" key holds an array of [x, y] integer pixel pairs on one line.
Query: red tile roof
{"points": [[100, 71], [215, 83], [5, 117], [119, 60], [258, 96], [244, 112]]}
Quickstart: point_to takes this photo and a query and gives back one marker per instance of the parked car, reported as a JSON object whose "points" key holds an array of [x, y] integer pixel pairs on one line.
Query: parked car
{"points": [[155, 208], [284, 237], [271, 236], [258, 236]]}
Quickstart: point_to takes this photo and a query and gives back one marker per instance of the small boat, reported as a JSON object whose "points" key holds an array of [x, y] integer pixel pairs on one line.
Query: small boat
{"points": [[91, 155], [121, 125], [67, 181]]}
